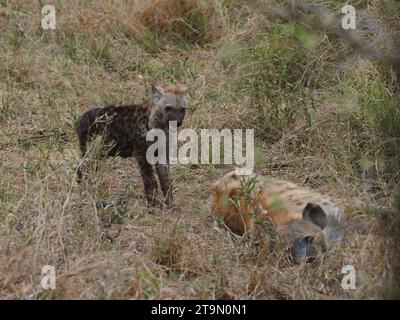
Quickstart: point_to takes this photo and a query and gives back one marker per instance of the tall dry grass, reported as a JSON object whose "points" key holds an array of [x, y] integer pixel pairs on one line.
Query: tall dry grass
{"points": [[322, 118]]}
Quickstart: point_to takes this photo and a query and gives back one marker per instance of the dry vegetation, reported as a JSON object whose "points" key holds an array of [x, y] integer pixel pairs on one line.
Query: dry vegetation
{"points": [[324, 117]]}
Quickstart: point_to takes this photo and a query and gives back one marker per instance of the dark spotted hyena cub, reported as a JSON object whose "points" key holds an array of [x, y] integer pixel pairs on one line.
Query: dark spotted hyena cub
{"points": [[124, 128]]}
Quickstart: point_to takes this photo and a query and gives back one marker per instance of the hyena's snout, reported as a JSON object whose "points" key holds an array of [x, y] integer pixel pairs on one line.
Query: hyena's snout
{"points": [[178, 116], [307, 248], [179, 122], [305, 237]]}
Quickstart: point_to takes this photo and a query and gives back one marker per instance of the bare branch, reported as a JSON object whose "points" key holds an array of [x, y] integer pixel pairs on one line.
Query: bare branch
{"points": [[320, 18]]}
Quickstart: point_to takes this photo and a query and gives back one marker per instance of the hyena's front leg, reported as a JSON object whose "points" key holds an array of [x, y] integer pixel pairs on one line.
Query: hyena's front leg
{"points": [[149, 181], [165, 182]]}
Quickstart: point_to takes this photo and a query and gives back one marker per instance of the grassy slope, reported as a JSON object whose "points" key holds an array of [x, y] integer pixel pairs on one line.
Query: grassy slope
{"points": [[324, 118]]}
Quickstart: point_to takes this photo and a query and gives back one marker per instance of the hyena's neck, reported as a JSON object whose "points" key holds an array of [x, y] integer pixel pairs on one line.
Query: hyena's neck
{"points": [[156, 117]]}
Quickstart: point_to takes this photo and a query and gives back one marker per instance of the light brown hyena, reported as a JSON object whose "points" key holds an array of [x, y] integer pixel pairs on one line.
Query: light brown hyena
{"points": [[124, 130], [307, 222]]}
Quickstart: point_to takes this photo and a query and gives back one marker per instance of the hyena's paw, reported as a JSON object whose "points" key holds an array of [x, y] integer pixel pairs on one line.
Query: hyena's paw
{"points": [[154, 202], [170, 204]]}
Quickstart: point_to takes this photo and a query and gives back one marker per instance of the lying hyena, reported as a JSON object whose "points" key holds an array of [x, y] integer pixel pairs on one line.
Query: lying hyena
{"points": [[124, 129], [307, 222]]}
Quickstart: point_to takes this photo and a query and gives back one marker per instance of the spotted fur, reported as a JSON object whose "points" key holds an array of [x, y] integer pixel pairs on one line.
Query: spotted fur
{"points": [[306, 220], [124, 129]]}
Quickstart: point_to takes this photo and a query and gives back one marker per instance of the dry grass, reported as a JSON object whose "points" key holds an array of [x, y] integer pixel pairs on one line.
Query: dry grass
{"points": [[336, 140], [190, 20]]}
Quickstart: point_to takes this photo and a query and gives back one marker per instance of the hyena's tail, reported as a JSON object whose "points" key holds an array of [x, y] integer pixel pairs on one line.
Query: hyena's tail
{"points": [[81, 129]]}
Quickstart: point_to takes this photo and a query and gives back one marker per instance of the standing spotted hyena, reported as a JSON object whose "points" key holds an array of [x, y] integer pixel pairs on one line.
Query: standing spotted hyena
{"points": [[124, 129], [306, 222]]}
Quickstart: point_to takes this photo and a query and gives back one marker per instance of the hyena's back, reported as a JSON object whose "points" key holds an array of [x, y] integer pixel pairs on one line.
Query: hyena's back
{"points": [[123, 127], [280, 200]]}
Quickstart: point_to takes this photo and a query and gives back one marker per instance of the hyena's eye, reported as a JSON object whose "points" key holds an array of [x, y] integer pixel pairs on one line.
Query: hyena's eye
{"points": [[168, 108]]}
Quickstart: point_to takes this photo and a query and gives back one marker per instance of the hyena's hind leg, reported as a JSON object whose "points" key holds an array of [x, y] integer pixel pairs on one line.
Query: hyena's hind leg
{"points": [[165, 182], [149, 181], [81, 129], [82, 145], [89, 154]]}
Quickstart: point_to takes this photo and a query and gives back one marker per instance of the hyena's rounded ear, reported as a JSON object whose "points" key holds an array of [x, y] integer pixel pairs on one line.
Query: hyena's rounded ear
{"points": [[314, 213], [156, 93]]}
